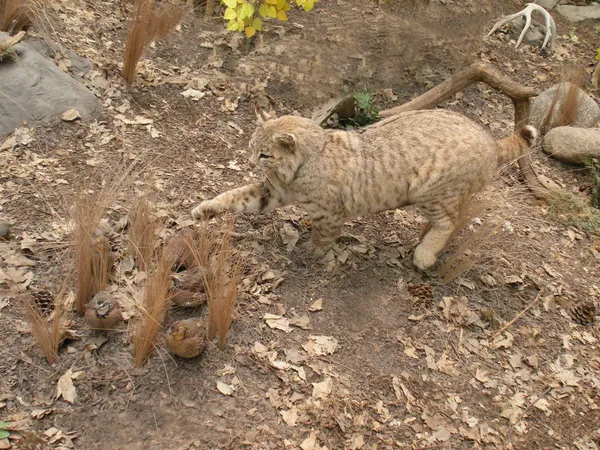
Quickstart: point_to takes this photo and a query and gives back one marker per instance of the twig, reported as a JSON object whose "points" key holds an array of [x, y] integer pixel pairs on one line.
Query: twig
{"points": [[517, 317], [512, 428]]}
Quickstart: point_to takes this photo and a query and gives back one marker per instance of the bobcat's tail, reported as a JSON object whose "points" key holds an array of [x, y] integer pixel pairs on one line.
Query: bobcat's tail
{"points": [[514, 146]]}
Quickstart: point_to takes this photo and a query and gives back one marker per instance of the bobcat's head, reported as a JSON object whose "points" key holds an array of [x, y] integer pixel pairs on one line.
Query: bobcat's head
{"points": [[279, 146]]}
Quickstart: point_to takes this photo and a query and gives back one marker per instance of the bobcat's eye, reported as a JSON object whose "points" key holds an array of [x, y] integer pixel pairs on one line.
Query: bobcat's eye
{"points": [[264, 156]]}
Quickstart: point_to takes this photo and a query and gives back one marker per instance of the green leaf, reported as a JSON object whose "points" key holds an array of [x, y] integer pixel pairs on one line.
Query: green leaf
{"points": [[230, 14], [248, 9], [263, 10], [4, 434], [4, 425], [272, 12], [257, 24], [230, 3]]}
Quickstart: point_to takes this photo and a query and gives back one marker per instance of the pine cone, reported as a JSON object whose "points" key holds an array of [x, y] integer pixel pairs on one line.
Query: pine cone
{"points": [[583, 313], [44, 299], [422, 294]]}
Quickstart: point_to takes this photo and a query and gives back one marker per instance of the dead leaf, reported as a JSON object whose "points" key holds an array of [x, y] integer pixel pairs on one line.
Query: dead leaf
{"points": [[290, 416], [70, 115], [504, 343], [224, 388], [320, 345], [65, 387], [316, 306], [301, 322], [322, 389], [277, 322]]}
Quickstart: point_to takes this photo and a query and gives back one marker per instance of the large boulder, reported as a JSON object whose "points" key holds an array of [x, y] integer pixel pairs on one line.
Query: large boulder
{"points": [[34, 90], [587, 116], [573, 145], [585, 15]]}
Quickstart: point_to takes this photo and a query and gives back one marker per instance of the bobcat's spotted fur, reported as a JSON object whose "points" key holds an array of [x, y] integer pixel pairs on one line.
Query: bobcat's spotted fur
{"points": [[434, 159]]}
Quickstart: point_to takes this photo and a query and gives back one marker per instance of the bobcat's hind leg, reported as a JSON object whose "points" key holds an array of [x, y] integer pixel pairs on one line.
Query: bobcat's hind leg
{"points": [[442, 223]]}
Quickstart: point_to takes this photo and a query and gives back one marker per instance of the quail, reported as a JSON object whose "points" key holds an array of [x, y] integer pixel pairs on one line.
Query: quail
{"points": [[187, 338], [103, 312]]}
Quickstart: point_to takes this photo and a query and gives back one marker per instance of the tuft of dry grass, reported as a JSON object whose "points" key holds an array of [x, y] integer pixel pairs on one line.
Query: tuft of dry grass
{"points": [[90, 207], [566, 102], [154, 307], [143, 225], [571, 210], [102, 264], [146, 24], [15, 15], [222, 275], [50, 332]]}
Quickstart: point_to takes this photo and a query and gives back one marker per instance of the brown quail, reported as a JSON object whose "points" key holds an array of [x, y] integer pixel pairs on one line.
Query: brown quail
{"points": [[178, 248], [187, 338], [103, 312]]}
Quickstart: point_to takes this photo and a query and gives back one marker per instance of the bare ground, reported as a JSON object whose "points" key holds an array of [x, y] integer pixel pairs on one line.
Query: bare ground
{"points": [[407, 371]]}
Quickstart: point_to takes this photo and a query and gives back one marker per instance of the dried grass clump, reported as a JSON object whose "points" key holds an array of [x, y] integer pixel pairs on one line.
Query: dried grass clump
{"points": [[50, 332], [102, 264], [154, 307], [566, 102], [571, 210], [143, 225], [484, 245], [147, 24], [15, 15], [93, 269], [223, 273]]}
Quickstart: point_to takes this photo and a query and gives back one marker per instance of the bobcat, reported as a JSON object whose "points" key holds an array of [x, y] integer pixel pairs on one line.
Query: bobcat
{"points": [[434, 159]]}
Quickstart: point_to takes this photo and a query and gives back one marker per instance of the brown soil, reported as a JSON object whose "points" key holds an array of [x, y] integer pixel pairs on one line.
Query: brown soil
{"points": [[407, 372]]}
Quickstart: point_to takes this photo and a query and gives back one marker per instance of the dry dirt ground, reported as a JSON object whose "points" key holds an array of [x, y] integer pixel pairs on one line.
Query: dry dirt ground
{"points": [[395, 358]]}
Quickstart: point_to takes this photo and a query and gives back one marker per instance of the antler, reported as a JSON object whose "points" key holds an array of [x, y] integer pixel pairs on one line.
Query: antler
{"points": [[550, 24]]}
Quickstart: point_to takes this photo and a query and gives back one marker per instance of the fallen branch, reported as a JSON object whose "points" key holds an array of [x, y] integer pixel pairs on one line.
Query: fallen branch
{"points": [[13, 40], [475, 73]]}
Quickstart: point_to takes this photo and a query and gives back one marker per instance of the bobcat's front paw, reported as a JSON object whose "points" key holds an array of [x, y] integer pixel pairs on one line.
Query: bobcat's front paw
{"points": [[423, 258], [206, 210]]}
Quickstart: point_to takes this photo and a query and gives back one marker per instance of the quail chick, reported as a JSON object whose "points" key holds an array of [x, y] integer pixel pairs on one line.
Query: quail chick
{"points": [[103, 312], [187, 338], [189, 280]]}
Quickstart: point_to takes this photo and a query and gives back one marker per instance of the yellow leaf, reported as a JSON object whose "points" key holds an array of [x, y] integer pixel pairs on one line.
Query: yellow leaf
{"points": [[281, 4], [308, 5], [250, 31], [272, 12], [230, 3], [233, 25], [300, 2], [241, 25], [281, 15], [257, 24], [271, 2], [263, 10], [248, 9], [241, 12], [230, 14]]}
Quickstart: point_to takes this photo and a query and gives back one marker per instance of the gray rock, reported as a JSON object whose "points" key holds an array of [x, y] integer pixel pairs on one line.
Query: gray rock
{"points": [[77, 65], [547, 4], [35, 90], [587, 116], [534, 35], [586, 15], [573, 145]]}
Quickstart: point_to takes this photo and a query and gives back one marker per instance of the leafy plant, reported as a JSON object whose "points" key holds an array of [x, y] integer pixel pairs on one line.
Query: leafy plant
{"points": [[243, 15], [4, 433], [594, 166], [365, 111]]}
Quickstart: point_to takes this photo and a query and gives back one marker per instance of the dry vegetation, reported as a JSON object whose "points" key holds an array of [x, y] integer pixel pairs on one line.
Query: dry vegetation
{"points": [[143, 225], [146, 24], [15, 15]]}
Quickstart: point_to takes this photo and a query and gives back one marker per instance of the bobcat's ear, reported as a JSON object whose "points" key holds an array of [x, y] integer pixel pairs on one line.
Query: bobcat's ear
{"points": [[262, 115], [286, 140]]}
